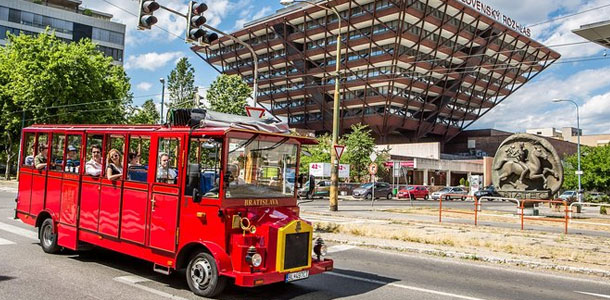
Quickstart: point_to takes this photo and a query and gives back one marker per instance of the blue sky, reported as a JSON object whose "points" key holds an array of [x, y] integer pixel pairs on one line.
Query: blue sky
{"points": [[151, 54]]}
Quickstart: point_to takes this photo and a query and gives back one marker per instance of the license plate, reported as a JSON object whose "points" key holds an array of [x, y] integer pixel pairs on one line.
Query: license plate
{"points": [[297, 275]]}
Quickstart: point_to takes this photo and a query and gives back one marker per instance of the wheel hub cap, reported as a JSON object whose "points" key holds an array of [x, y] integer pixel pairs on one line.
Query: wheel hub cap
{"points": [[47, 236], [201, 272]]}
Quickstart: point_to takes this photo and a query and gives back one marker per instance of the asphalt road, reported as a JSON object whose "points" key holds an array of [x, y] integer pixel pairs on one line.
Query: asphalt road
{"points": [[28, 273]]}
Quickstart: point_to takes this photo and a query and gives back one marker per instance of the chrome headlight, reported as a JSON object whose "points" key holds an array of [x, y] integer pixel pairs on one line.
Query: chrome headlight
{"points": [[320, 248], [253, 258]]}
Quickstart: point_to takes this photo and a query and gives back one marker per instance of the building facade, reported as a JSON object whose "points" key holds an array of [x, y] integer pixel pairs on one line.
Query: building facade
{"points": [[570, 134], [413, 70], [69, 21]]}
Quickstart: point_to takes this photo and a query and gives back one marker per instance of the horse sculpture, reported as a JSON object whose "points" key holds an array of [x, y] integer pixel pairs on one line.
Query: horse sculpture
{"points": [[530, 167]]}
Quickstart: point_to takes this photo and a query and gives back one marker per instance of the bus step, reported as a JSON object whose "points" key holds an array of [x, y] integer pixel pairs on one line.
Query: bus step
{"points": [[161, 269]]}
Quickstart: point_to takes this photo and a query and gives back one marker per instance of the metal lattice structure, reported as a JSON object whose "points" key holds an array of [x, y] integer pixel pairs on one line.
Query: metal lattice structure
{"points": [[413, 70]]}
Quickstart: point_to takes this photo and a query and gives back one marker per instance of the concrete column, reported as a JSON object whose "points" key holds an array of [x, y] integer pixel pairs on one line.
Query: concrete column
{"points": [[425, 176], [448, 183]]}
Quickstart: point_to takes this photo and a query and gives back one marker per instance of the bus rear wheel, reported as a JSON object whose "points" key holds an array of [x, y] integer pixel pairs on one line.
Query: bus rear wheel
{"points": [[202, 276], [48, 238]]}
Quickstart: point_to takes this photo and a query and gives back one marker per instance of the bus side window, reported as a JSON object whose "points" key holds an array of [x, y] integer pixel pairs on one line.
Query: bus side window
{"points": [[29, 149], [57, 152], [42, 145], [73, 154], [137, 158], [115, 150], [167, 153], [204, 167], [94, 158]]}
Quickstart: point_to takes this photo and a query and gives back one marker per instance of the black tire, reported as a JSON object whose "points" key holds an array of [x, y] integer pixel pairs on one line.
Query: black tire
{"points": [[368, 196], [47, 237], [462, 198], [426, 197], [389, 196], [202, 276], [307, 195], [412, 197]]}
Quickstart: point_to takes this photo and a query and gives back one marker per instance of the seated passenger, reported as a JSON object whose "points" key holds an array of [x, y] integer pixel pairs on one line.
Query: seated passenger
{"points": [[72, 161], [94, 166], [136, 171], [164, 172], [29, 160], [114, 168], [40, 161], [133, 159]]}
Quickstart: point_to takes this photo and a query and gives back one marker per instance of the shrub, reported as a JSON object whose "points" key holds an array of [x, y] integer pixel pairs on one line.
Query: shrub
{"points": [[602, 210]]}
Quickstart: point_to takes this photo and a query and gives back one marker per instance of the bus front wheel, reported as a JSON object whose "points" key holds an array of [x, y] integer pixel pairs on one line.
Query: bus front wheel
{"points": [[48, 238], [202, 276]]}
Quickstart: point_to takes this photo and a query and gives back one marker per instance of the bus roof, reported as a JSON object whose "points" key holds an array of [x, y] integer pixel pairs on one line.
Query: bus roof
{"points": [[105, 128]]}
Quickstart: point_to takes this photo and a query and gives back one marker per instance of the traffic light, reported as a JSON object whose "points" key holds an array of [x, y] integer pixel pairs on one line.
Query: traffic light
{"points": [[145, 15], [194, 19]]}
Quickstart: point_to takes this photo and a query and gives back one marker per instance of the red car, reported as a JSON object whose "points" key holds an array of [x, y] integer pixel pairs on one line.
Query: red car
{"points": [[413, 192]]}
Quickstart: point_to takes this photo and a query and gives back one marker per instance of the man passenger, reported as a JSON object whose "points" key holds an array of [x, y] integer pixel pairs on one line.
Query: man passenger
{"points": [[40, 161], [164, 172], [94, 166], [72, 161]]}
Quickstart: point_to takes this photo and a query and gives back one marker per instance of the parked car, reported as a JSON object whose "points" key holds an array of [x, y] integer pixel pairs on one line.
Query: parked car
{"points": [[450, 190], [382, 189], [488, 191], [569, 196], [413, 192], [595, 196], [321, 189]]}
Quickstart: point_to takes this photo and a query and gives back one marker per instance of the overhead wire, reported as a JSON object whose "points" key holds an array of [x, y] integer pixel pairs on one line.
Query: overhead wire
{"points": [[568, 16]]}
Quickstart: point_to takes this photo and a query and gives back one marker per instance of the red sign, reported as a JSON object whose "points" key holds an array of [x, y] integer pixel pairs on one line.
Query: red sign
{"points": [[255, 112], [339, 150]]}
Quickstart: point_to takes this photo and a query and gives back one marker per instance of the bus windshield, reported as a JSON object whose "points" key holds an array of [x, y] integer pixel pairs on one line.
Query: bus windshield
{"points": [[260, 169]]}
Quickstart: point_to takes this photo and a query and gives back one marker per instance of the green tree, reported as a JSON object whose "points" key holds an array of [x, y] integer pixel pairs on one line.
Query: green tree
{"points": [[359, 146], [145, 114], [228, 94], [57, 83], [595, 164], [319, 153], [181, 85]]}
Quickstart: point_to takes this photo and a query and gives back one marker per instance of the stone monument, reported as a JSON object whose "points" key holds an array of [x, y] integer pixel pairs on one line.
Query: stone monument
{"points": [[527, 166]]}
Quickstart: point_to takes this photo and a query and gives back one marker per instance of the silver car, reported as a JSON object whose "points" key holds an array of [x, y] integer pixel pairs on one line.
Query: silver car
{"points": [[450, 190]]}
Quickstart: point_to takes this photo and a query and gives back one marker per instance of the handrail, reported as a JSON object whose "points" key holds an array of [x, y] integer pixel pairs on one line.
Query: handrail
{"points": [[440, 207], [587, 204], [545, 201]]}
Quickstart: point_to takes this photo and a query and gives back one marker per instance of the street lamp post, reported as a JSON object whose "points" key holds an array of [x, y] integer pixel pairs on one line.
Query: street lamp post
{"points": [[162, 80], [579, 172], [334, 178]]}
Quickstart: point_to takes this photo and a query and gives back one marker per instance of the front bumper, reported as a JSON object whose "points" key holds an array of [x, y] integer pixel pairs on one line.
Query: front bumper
{"points": [[257, 279]]}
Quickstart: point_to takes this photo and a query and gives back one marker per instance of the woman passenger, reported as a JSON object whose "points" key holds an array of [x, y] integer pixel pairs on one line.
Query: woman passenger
{"points": [[114, 168]]}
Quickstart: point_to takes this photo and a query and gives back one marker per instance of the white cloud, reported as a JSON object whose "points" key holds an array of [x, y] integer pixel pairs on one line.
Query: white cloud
{"points": [[248, 15], [532, 106], [151, 61], [169, 27], [144, 86]]}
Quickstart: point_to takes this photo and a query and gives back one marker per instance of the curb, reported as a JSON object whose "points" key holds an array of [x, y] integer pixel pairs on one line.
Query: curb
{"points": [[462, 255]]}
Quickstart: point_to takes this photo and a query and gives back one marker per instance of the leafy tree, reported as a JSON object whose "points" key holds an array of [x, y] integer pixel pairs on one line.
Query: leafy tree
{"points": [[228, 94], [595, 164], [146, 114], [359, 146], [181, 85], [56, 82], [319, 153]]}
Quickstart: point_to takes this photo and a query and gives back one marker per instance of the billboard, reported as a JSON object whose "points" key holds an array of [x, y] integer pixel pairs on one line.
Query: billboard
{"points": [[323, 170]]}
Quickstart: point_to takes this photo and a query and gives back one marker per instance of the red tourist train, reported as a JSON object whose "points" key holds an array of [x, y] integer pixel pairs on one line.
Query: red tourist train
{"points": [[214, 195]]}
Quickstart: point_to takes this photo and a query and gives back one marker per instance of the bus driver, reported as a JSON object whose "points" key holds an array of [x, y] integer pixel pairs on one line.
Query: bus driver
{"points": [[164, 172]]}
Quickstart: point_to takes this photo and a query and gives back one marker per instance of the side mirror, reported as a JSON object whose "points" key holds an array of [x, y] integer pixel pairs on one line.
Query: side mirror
{"points": [[196, 195]]}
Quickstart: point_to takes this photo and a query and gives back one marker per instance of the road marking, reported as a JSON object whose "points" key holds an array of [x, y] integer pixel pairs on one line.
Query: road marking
{"points": [[5, 242], [593, 294], [135, 280], [339, 248], [19, 231], [8, 189], [413, 288]]}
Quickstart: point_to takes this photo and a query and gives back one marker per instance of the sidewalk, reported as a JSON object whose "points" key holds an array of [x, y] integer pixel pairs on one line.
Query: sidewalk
{"points": [[418, 231]]}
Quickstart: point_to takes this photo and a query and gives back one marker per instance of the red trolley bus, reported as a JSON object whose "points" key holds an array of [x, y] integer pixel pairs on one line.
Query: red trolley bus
{"points": [[214, 195]]}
